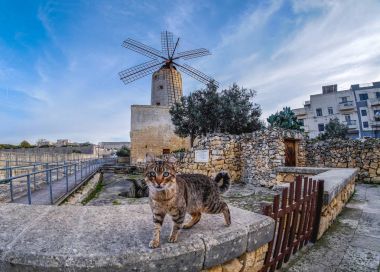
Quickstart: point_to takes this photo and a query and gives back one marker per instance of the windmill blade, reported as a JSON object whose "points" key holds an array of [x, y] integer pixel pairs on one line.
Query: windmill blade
{"points": [[192, 54], [143, 49], [167, 43], [198, 75], [139, 71]]}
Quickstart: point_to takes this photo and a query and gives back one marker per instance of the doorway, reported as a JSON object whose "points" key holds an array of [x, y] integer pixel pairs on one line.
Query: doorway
{"points": [[290, 153]]}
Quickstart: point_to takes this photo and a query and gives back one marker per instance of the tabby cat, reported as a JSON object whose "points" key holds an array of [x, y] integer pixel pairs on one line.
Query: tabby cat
{"points": [[177, 195]]}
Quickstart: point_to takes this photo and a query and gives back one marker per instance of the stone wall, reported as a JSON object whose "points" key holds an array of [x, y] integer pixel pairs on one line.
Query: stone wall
{"points": [[333, 209], [152, 131], [263, 151], [224, 155], [248, 262], [364, 155], [250, 158]]}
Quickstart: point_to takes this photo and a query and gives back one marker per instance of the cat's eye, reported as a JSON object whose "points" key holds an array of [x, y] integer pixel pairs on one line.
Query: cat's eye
{"points": [[165, 174], [152, 174]]}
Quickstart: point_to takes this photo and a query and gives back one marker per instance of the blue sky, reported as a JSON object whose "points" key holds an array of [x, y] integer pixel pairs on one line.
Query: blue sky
{"points": [[59, 60]]}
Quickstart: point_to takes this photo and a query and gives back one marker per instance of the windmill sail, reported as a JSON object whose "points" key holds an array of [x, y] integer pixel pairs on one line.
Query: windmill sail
{"points": [[166, 81], [191, 71], [139, 71]]}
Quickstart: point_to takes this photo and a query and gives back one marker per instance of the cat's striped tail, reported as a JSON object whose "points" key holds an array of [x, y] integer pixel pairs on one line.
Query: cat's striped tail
{"points": [[222, 179]]}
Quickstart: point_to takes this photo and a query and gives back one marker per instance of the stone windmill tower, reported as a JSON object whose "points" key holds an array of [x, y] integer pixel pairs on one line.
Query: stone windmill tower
{"points": [[166, 86], [151, 127]]}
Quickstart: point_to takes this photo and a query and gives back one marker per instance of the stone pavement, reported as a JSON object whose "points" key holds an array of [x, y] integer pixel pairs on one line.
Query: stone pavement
{"points": [[353, 241]]}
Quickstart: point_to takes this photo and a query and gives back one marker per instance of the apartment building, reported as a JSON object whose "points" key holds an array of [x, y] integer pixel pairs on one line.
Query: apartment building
{"points": [[357, 107]]}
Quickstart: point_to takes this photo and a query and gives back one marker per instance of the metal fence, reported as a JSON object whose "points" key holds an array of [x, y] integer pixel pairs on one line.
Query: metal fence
{"points": [[56, 179]]}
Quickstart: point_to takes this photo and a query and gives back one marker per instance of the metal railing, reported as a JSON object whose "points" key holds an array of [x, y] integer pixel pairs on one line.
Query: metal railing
{"points": [[43, 173], [347, 103], [350, 122]]}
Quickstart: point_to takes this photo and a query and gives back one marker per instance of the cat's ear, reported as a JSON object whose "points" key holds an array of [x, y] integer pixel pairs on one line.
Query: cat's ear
{"points": [[150, 158]]}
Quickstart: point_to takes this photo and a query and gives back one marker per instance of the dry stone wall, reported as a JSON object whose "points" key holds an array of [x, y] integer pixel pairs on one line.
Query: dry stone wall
{"points": [[250, 158], [224, 155], [364, 155], [263, 151]]}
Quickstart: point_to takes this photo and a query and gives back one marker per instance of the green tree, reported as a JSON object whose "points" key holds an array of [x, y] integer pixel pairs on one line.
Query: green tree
{"points": [[284, 119], [237, 112], [334, 130], [25, 144], [123, 152], [185, 117], [207, 111]]}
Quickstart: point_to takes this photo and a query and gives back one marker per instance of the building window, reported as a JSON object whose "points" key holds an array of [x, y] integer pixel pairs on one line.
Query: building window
{"points": [[301, 122], [364, 112], [365, 124], [321, 127], [158, 103], [330, 110], [165, 151], [161, 87], [155, 77], [319, 112], [363, 96], [347, 118], [344, 99], [377, 94]]}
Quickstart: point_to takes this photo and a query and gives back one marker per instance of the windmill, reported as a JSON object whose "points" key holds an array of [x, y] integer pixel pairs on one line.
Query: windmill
{"points": [[164, 64]]}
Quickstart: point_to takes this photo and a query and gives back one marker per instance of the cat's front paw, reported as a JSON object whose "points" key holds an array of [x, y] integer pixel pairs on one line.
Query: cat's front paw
{"points": [[173, 239], [154, 244]]}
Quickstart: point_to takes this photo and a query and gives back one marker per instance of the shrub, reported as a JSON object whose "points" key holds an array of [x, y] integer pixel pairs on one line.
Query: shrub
{"points": [[123, 152]]}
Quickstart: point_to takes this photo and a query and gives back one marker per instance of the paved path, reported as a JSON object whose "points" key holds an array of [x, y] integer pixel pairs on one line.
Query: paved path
{"points": [[42, 195], [352, 243]]}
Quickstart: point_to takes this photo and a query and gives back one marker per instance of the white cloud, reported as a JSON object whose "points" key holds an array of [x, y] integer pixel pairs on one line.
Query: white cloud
{"points": [[339, 43]]}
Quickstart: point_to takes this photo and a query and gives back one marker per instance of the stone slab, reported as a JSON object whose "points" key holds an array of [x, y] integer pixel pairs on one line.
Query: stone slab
{"points": [[116, 238], [335, 179], [302, 170]]}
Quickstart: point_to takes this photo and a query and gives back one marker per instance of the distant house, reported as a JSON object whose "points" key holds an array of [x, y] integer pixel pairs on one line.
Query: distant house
{"points": [[62, 142], [43, 142], [358, 108], [114, 145]]}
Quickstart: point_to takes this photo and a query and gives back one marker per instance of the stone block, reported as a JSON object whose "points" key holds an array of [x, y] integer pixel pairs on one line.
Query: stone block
{"points": [[232, 266]]}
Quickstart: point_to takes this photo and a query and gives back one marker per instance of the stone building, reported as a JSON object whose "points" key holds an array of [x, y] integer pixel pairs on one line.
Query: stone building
{"points": [[357, 107], [152, 131], [151, 126]]}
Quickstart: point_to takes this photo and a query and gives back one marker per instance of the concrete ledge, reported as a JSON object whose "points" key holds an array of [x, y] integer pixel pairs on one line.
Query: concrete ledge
{"points": [[301, 170], [75, 238], [335, 178]]}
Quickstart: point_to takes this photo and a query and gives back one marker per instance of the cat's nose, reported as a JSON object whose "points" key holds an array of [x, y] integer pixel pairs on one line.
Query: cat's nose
{"points": [[158, 186]]}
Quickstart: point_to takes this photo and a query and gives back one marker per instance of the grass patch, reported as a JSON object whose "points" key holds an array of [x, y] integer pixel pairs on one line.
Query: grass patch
{"points": [[116, 202], [94, 193]]}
